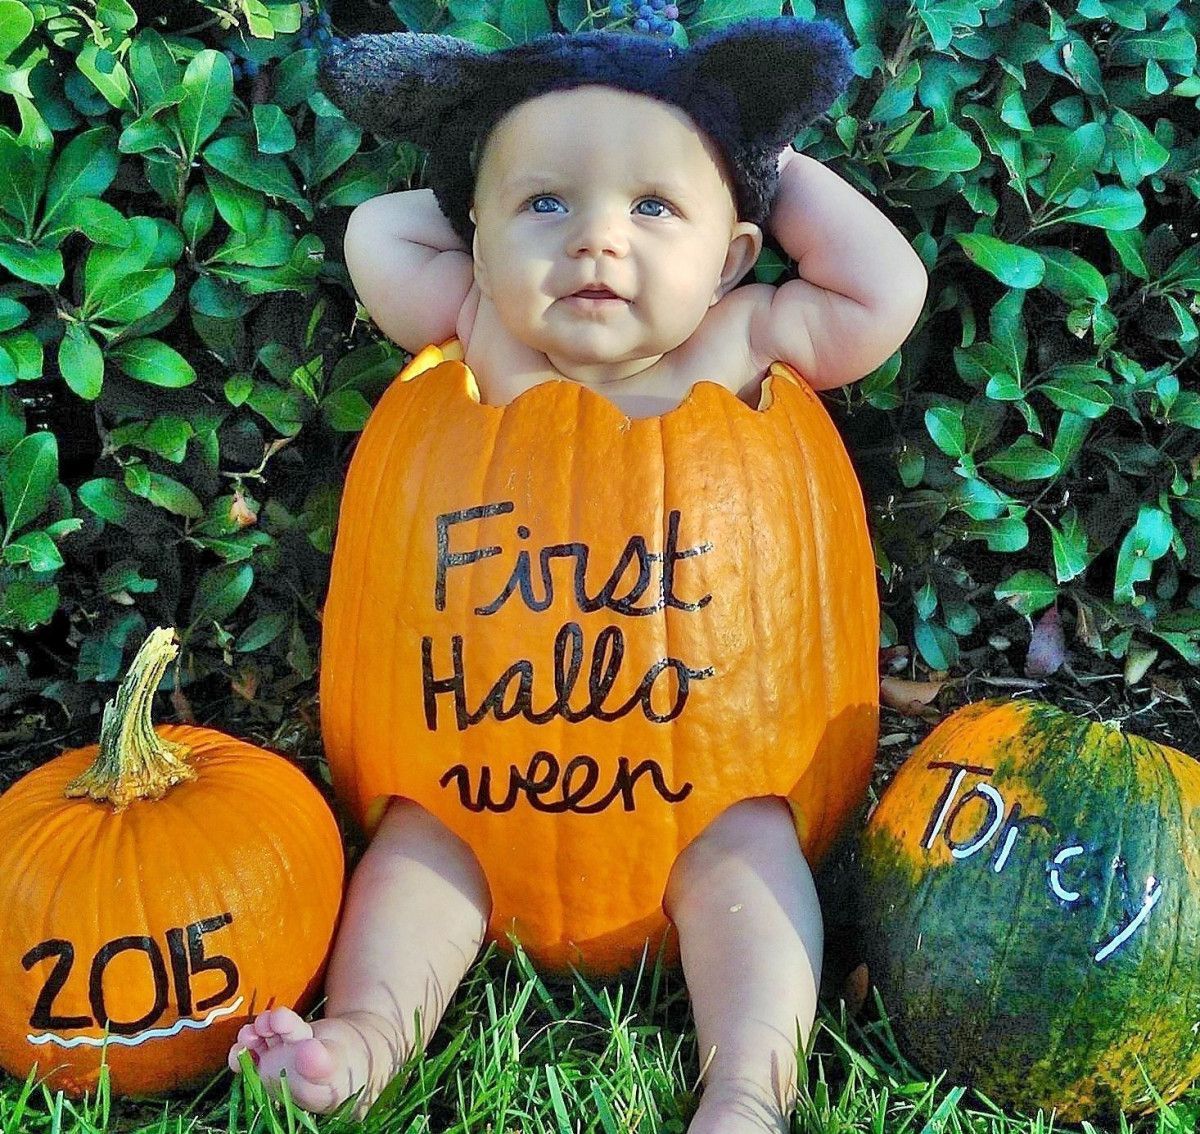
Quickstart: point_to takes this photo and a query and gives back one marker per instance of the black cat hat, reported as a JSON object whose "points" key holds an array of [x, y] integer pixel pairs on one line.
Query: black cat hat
{"points": [[751, 87]]}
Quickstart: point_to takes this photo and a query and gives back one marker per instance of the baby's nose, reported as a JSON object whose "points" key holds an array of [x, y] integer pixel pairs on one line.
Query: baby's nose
{"points": [[600, 232]]}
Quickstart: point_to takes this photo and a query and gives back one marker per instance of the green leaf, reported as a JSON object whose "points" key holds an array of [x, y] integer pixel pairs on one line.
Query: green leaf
{"points": [[1071, 277], [155, 72], [949, 150], [1024, 460], [346, 411], [220, 592], [85, 168], [272, 130], [198, 215], [1078, 388], [16, 22], [1004, 388], [1070, 546], [36, 549], [12, 313], [237, 159], [106, 499], [523, 20], [1146, 542], [365, 177], [1188, 331], [296, 78], [30, 477], [100, 222], [262, 632], [23, 171], [131, 299], [1005, 533], [81, 362], [113, 83], [1011, 264], [116, 14], [1134, 148], [945, 425], [1073, 429], [1112, 207], [208, 82], [335, 142], [23, 352], [1184, 271], [1001, 140], [713, 14], [938, 646], [1075, 161], [1027, 591], [36, 265], [163, 491], [484, 35], [153, 362], [1176, 45], [285, 16], [27, 604]]}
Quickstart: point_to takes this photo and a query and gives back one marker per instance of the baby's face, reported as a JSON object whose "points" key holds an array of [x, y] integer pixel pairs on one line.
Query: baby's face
{"points": [[603, 226]]}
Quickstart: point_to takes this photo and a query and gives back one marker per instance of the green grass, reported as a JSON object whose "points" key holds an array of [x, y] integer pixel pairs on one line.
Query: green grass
{"points": [[519, 1054]]}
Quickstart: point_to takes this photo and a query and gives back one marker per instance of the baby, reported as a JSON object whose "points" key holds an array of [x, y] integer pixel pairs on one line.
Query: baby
{"points": [[596, 227]]}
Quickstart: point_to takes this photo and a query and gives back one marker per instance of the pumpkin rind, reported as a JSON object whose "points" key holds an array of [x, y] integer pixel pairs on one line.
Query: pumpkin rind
{"points": [[758, 509], [248, 837], [1037, 999]]}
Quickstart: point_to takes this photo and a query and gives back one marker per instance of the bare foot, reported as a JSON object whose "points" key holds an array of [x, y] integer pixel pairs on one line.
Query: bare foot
{"points": [[325, 1062]]}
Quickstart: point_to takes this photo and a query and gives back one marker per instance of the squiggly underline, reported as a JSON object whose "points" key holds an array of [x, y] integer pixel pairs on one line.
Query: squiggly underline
{"points": [[141, 1037]]}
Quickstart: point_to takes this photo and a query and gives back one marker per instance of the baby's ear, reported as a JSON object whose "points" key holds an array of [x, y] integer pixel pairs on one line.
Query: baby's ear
{"points": [[745, 244], [404, 85], [781, 73]]}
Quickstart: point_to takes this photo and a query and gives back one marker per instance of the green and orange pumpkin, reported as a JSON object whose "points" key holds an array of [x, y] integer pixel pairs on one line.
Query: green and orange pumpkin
{"points": [[576, 638], [156, 891], [1032, 910]]}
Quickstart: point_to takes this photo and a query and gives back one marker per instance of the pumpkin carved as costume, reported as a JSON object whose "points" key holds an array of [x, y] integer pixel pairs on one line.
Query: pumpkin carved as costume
{"points": [[577, 638]]}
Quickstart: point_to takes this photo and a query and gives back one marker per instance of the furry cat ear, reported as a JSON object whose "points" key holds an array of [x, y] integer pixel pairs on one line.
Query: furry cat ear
{"points": [[779, 74], [405, 85]]}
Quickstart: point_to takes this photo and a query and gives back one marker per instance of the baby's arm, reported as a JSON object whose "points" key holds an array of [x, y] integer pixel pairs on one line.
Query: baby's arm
{"points": [[411, 270], [861, 285]]}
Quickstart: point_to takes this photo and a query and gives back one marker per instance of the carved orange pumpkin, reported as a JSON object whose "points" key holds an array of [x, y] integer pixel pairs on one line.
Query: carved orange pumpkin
{"points": [[576, 638], [198, 884]]}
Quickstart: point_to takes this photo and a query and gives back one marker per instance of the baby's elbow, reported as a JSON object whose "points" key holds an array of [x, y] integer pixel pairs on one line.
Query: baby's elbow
{"points": [[906, 298]]}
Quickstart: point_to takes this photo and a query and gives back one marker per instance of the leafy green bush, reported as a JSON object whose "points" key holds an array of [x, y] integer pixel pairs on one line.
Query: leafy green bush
{"points": [[183, 367]]}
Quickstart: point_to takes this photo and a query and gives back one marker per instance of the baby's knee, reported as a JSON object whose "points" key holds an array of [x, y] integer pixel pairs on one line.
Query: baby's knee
{"points": [[751, 831]]}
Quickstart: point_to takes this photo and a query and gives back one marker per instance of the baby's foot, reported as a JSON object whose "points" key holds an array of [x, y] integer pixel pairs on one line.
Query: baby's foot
{"points": [[325, 1062]]}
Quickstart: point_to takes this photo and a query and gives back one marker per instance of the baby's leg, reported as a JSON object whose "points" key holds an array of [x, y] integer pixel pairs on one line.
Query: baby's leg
{"points": [[414, 919], [743, 902]]}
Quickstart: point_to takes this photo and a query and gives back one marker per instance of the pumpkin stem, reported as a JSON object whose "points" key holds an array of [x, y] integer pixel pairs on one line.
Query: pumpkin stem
{"points": [[134, 762]]}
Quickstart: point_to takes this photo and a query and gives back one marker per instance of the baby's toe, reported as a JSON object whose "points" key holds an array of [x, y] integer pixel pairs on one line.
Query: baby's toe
{"points": [[288, 1025], [313, 1061]]}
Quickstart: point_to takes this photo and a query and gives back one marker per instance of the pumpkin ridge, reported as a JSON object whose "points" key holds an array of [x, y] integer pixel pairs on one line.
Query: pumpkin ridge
{"points": [[1060, 724], [1167, 789]]}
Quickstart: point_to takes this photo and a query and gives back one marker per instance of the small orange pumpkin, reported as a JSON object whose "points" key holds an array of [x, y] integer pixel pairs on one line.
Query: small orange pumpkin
{"points": [[576, 639], [156, 891]]}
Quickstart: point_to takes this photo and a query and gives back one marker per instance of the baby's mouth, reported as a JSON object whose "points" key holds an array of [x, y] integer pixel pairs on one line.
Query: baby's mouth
{"points": [[595, 293]]}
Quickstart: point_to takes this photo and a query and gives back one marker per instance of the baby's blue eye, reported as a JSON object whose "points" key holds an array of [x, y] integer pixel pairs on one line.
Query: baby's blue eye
{"points": [[546, 204], [652, 207]]}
